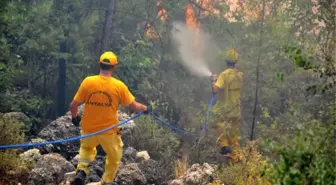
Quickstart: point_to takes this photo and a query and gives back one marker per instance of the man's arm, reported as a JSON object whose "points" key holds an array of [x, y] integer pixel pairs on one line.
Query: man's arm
{"points": [[215, 89], [77, 100], [74, 108], [137, 107], [128, 100]]}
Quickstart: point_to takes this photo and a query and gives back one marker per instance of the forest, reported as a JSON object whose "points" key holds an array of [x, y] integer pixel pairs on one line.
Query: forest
{"points": [[286, 54]]}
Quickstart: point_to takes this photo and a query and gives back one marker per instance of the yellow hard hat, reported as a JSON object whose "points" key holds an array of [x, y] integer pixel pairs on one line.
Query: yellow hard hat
{"points": [[108, 58], [230, 54]]}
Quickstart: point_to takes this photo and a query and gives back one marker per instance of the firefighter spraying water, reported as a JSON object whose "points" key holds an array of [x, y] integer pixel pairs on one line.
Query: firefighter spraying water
{"points": [[227, 108], [192, 44]]}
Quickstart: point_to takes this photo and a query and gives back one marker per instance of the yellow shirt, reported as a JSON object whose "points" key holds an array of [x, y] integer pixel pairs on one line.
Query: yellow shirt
{"points": [[228, 102], [102, 96]]}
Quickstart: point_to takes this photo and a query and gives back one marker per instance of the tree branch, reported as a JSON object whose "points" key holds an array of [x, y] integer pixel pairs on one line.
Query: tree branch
{"points": [[200, 6]]}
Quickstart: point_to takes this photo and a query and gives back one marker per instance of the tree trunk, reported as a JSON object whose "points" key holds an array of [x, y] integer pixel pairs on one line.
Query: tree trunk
{"points": [[61, 82], [252, 136], [61, 86], [108, 26]]}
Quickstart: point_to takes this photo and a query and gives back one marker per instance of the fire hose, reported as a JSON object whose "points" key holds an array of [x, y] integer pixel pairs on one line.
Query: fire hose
{"points": [[171, 126]]}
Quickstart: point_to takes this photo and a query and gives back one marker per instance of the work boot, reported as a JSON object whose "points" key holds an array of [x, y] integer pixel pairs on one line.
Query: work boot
{"points": [[80, 178]]}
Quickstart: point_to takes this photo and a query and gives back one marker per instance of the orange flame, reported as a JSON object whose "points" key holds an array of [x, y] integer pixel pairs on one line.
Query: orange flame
{"points": [[190, 16], [150, 33], [162, 14], [192, 22]]}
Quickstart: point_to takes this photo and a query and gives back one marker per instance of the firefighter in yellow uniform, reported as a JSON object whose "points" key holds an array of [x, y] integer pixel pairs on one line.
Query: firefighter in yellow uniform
{"points": [[102, 94], [227, 108]]}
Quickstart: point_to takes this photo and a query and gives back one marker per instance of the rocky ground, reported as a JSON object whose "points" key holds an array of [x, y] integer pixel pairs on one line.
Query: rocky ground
{"points": [[55, 164]]}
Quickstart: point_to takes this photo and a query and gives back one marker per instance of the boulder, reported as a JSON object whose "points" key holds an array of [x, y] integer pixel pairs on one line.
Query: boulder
{"points": [[129, 155], [62, 128], [196, 175], [152, 171], [31, 156], [141, 156], [19, 117], [127, 129], [43, 149], [74, 160], [130, 174], [49, 170], [68, 178]]}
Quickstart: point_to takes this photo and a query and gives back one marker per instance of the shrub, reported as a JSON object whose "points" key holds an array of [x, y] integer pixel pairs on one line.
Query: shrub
{"points": [[181, 166], [12, 168], [247, 170], [309, 157], [159, 141]]}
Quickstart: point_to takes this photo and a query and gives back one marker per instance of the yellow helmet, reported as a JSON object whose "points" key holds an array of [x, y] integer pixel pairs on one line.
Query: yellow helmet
{"points": [[108, 58], [230, 54]]}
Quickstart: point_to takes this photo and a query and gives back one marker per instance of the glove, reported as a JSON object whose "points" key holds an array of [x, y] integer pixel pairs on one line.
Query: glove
{"points": [[76, 120], [213, 78], [149, 109]]}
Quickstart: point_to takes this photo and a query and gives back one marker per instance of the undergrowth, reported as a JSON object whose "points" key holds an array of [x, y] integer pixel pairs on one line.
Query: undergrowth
{"points": [[247, 170], [12, 168]]}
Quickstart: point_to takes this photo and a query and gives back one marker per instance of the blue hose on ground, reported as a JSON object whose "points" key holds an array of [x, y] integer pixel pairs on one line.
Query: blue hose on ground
{"points": [[26, 145], [176, 129]]}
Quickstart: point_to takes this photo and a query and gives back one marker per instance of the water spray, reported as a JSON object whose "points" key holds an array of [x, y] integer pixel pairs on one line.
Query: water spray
{"points": [[193, 56]]}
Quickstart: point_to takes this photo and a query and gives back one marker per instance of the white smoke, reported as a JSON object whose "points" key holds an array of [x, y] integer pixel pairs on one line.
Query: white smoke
{"points": [[192, 48]]}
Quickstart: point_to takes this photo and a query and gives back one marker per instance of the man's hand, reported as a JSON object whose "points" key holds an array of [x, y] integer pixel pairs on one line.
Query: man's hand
{"points": [[148, 109], [76, 121], [213, 78], [138, 107], [215, 89]]}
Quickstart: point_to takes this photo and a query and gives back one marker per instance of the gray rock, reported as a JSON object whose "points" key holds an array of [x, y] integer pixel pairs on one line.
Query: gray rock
{"points": [[128, 128], [142, 156], [130, 174], [62, 128], [49, 170], [152, 171], [74, 160], [129, 155], [19, 117], [43, 149], [196, 175], [68, 178], [31, 156]]}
